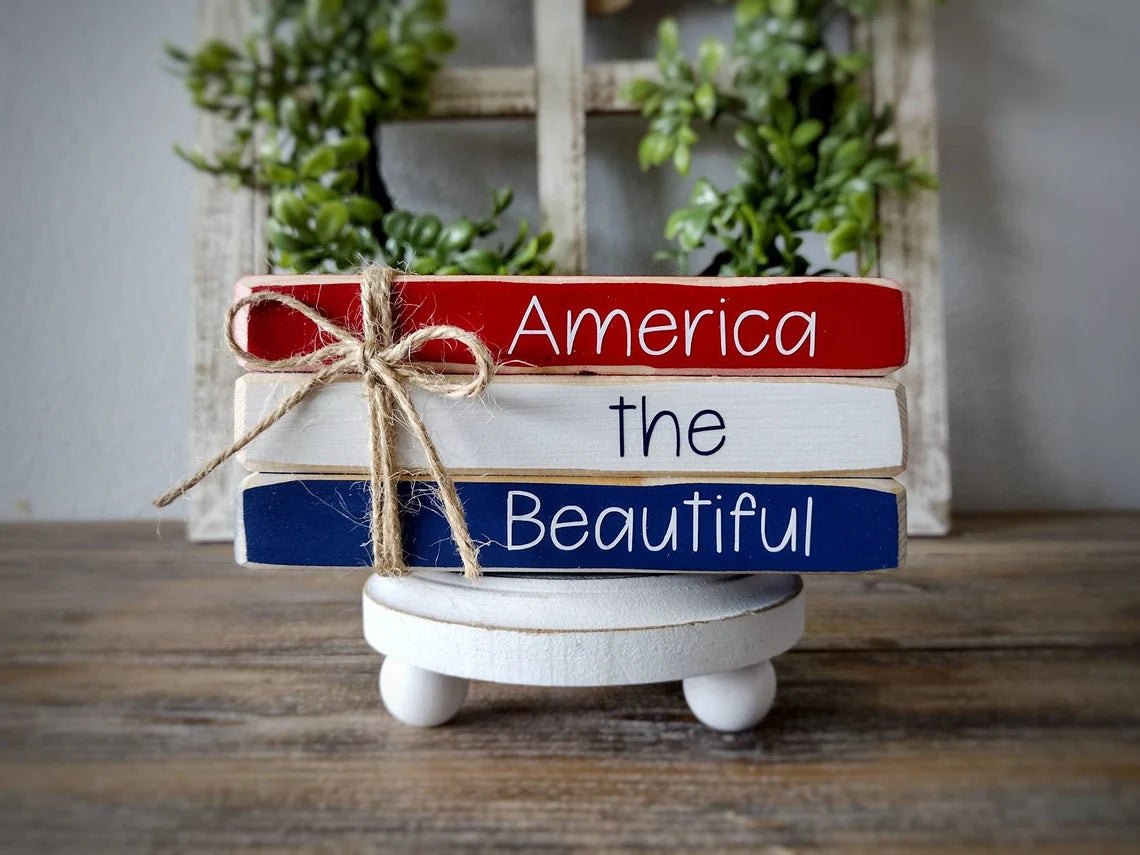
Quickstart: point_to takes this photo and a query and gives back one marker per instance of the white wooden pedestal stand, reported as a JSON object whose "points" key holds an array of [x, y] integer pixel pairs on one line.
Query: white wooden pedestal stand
{"points": [[715, 633]]}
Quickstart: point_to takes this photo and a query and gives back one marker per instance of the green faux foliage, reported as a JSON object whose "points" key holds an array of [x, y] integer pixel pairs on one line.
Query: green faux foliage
{"points": [[306, 95], [815, 152]]}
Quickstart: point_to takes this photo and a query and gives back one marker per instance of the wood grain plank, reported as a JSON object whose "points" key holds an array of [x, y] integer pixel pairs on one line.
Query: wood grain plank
{"points": [[122, 592], [229, 243], [155, 697], [990, 751]]}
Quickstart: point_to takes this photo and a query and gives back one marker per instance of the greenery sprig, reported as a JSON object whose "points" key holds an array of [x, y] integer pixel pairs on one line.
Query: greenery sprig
{"points": [[306, 95], [815, 152]]}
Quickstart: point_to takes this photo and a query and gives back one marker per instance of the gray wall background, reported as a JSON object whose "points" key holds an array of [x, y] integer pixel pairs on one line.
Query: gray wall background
{"points": [[1040, 122]]}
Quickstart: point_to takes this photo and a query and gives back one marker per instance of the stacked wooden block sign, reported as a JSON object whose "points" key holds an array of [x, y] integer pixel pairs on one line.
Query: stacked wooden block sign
{"points": [[675, 450]]}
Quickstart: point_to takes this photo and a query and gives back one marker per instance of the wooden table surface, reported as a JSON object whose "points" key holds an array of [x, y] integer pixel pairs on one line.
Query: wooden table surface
{"points": [[156, 697]]}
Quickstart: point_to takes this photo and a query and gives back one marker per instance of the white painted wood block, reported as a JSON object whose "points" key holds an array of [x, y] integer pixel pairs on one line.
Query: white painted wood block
{"points": [[573, 425]]}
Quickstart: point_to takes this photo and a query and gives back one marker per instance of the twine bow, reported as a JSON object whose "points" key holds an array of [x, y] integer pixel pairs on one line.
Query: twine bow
{"points": [[387, 369]]}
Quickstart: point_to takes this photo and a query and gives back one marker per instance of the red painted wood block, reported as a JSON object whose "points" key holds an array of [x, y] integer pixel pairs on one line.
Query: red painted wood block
{"points": [[615, 325]]}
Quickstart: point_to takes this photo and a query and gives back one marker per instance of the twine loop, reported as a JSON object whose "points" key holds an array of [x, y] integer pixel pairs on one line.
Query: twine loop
{"points": [[387, 369]]}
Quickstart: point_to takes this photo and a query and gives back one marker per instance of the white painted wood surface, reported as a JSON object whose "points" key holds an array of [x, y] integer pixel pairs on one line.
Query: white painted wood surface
{"points": [[901, 39], [229, 242], [582, 631], [510, 91], [767, 426], [229, 227], [560, 125]]}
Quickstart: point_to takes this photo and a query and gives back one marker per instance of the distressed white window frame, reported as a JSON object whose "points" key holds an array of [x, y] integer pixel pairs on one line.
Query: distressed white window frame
{"points": [[559, 91]]}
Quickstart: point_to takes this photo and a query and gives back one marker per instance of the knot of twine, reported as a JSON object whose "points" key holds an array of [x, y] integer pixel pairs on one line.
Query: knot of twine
{"points": [[387, 369]]}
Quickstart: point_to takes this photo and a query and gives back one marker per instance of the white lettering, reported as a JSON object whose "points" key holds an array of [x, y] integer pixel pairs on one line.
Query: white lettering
{"points": [[625, 532], [670, 538], [736, 513], [736, 333], [645, 327], [556, 523], [809, 334], [789, 535], [807, 530], [534, 305], [696, 503], [572, 325], [691, 328]]}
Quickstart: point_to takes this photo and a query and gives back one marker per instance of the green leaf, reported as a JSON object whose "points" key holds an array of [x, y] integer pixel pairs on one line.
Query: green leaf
{"points": [[688, 227], [748, 11], [331, 220], [502, 199], [343, 181], [668, 35], [682, 159], [863, 207], [363, 210], [853, 63], [425, 229], [704, 194], [290, 115], [710, 56], [282, 239], [654, 149], [851, 154], [408, 59], [396, 224], [335, 109], [479, 262], [277, 173], [364, 99], [378, 40], [784, 115], [639, 90], [785, 9], [705, 100], [424, 265], [844, 239], [351, 149], [457, 236], [322, 14], [924, 179], [316, 193], [319, 161], [388, 81], [289, 209], [527, 254], [807, 132]]}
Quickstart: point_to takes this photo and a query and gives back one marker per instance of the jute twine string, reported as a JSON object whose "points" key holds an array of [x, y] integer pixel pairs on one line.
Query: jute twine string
{"points": [[387, 370]]}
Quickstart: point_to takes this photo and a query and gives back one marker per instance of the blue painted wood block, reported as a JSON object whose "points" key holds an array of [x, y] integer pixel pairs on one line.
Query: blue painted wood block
{"points": [[581, 524]]}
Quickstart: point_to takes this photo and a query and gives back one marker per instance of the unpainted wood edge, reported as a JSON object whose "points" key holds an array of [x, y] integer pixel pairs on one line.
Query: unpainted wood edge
{"points": [[881, 485], [901, 501]]}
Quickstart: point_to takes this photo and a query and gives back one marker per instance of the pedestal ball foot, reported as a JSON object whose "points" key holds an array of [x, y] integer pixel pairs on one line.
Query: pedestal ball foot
{"points": [[732, 700], [420, 697]]}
